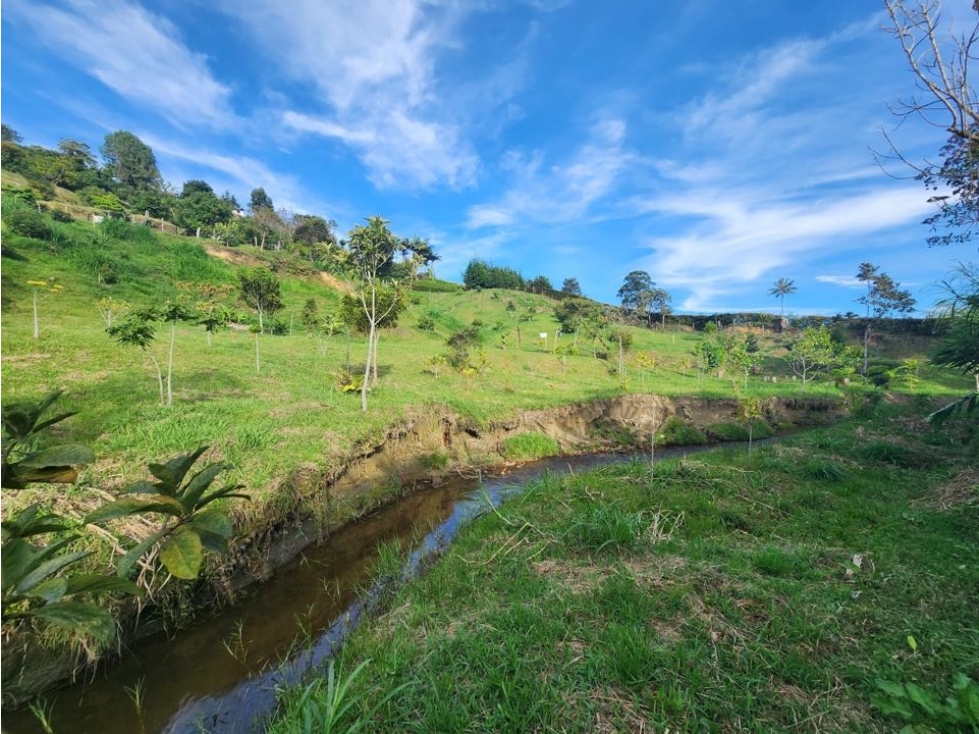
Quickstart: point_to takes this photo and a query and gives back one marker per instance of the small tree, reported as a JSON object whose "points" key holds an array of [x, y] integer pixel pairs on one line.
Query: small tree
{"points": [[212, 316], [139, 330], [260, 289], [637, 292], [883, 298], [744, 360], [814, 353], [310, 315], [749, 410], [571, 287], [112, 310], [42, 286], [371, 249], [645, 361]]}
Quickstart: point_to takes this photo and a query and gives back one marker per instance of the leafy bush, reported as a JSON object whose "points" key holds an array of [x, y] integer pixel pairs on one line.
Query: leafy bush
{"points": [[677, 433], [59, 215], [27, 223], [527, 446], [923, 711], [426, 323], [738, 431]]}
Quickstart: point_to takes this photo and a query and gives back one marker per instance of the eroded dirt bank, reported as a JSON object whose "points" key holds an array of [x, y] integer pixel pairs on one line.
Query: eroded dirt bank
{"points": [[315, 504]]}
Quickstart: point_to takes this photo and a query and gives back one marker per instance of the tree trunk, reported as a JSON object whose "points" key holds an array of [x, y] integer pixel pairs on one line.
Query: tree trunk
{"points": [[159, 379], [261, 323], [866, 348], [367, 369], [377, 339], [37, 323], [258, 358], [173, 340], [208, 337]]}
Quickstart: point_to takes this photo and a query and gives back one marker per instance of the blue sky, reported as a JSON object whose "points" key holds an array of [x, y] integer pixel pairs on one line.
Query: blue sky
{"points": [[718, 145]]}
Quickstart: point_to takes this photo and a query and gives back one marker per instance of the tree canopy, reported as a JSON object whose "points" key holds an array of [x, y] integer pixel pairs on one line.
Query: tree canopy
{"points": [[130, 162]]}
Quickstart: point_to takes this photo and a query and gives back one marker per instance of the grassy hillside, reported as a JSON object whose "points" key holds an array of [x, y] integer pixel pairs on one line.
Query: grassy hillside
{"points": [[290, 413]]}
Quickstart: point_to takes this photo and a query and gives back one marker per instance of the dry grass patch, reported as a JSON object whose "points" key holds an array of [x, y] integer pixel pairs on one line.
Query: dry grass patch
{"points": [[576, 578], [962, 489]]}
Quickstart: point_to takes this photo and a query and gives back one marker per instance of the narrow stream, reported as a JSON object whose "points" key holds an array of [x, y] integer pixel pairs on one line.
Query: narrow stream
{"points": [[221, 675]]}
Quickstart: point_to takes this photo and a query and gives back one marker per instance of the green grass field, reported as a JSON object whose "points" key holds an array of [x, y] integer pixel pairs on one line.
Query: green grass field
{"points": [[768, 593], [290, 413]]}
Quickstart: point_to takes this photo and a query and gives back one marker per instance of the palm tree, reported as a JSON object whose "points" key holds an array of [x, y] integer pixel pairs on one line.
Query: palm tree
{"points": [[782, 287]]}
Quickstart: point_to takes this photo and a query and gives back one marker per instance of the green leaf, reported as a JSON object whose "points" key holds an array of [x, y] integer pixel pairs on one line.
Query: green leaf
{"points": [[126, 563], [196, 486], [173, 472], [182, 554], [213, 521], [67, 454], [51, 590], [79, 617], [140, 487], [133, 506], [227, 492], [49, 568], [15, 562], [912, 643], [923, 698], [96, 583], [51, 421]]}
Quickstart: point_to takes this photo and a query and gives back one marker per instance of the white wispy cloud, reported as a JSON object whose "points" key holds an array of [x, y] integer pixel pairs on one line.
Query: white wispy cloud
{"points": [[240, 172], [844, 281], [739, 241], [372, 64], [564, 192], [136, 53]]}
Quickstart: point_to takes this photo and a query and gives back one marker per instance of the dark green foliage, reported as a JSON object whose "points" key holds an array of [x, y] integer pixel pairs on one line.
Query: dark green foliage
{"points": [[480, 274], [27, 223], [433, 285], [59, 215], [426, 322], [677, 433], [22, 424], [192, 530], [540, 284], [311, 314], [260, 289], [260, 200], [921, 709], [571, 287], [130, 163], [459, 344], [636, 292]]}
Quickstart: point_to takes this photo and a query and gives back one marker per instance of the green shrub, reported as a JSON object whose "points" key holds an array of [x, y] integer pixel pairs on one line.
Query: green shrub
{"points": [[62, 216], [528, 446], [738, 431], [426, 323], [677, 433], [27, 223]]}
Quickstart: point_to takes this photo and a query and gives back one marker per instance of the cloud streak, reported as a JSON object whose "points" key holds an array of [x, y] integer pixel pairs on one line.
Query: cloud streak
{"points": [[135, 53], [372, 64]]}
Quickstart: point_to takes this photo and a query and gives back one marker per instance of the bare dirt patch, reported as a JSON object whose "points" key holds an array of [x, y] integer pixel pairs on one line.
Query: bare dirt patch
{"points": [[962, 489]]}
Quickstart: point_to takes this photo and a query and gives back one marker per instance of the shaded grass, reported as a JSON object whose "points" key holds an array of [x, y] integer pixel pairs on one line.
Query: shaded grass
{"points": [[562, 612]]}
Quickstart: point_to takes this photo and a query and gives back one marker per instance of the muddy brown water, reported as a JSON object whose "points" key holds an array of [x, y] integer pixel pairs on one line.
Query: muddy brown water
{"points": [[221, 675]]}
